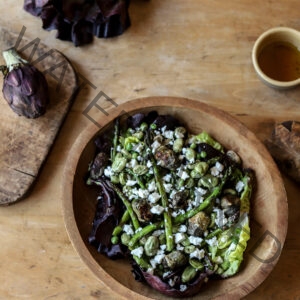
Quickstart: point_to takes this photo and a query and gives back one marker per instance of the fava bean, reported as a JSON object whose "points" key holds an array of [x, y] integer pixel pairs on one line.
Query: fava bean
{"points": [[178, 145], [151, 245], [188, 274], [119, 163]]}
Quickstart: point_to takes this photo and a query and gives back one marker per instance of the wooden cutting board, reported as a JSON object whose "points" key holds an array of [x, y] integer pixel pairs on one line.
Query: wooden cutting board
{"points": [[25, 143]]}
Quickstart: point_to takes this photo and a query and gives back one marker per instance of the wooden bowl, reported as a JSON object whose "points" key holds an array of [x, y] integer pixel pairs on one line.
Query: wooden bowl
{"points": [[269, 215]]}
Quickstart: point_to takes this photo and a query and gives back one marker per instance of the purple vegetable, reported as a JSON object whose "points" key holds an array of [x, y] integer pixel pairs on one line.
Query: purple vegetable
{"points": [[166, 120], [135, 120], [79, 20], [210, 151], [191, 289], [24, 87], [107, 216]]}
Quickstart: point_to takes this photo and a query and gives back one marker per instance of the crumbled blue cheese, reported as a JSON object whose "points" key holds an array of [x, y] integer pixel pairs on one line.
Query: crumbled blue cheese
{"points": [[159, 258], [138, 252], [219, 166], [167, 177], [195, 240], [149, 164], [182, 287], [155, 145], [158, 232], [172, 194], [213, 242], [154, 197], [221, 220], [217, 169], [151, 186], [182, 173], [143, 193], [157, 210], [108, 172], [179, 247], [166, 274], [138, 147], [168, 134], [239, 186], [163, 129], [132, 163], [127, 228], [198, 253], [179, 237], [163, 246], [200, 190], [198, 200], [182, 228], [178, 212], [131, 182], [168, 187]]}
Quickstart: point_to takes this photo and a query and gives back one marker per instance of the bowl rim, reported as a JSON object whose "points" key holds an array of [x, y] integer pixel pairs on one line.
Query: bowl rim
{"points": [[85, 137]]}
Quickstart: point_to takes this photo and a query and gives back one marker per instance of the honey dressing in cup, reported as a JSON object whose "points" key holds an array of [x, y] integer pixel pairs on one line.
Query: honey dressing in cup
{"points": [[276, 57]]}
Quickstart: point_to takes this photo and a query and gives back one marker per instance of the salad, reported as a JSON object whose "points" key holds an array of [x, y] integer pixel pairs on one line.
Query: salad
{"points": [[175, 203]]}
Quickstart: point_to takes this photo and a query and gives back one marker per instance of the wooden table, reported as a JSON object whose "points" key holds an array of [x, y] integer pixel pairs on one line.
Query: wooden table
{"points": [[195, 49]]}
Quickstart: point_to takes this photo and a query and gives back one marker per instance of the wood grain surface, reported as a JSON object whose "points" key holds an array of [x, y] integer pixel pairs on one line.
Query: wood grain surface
{"points": [[194, 49], [25, 143]]}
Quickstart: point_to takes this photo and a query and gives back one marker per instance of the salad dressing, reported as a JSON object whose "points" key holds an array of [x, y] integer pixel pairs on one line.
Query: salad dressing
{"points": [[280, 61]]}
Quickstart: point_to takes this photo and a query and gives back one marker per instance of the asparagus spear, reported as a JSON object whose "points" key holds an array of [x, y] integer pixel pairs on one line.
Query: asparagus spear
{"points": [[215, 192], [132, 214], [164, 202], [115, 139], [118, 229]]}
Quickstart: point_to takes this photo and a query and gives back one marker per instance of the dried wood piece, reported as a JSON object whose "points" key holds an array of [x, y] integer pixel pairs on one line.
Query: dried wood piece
{"points": [[284, 146]]}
